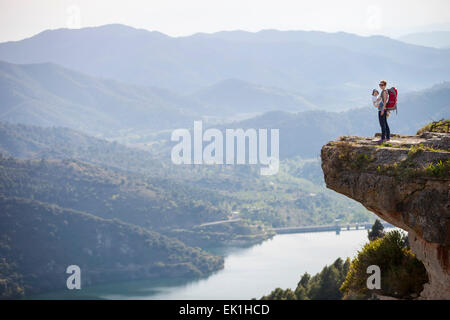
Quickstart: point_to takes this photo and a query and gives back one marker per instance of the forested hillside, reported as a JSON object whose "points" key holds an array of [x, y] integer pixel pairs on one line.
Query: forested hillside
{"points": [[106, 193], [300, 197], [39, 241]]}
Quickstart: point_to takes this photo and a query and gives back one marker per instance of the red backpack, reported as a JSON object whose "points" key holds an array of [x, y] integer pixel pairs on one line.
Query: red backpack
{"points": [[392, 99]]}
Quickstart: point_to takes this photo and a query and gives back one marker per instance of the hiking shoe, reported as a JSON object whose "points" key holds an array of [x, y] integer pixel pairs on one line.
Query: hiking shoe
{"points": [[379, 141]]}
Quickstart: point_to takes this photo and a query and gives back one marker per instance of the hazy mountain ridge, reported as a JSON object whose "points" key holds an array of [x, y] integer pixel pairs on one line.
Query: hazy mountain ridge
{"points": [[303, 133], [47, 94], [435, 39], [187, 64], [392, 48], [233, 96], [50, 95]]}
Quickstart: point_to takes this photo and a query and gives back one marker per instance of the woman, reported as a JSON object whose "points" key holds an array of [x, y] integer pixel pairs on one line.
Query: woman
{"points": [[382, 114]]}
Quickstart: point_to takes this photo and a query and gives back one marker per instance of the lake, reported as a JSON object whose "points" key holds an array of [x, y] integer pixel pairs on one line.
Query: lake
{"points": [[248, 273]]}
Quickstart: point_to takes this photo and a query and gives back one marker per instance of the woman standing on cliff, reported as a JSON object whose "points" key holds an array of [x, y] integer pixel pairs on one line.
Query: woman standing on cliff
{"points": [[382, 114]]}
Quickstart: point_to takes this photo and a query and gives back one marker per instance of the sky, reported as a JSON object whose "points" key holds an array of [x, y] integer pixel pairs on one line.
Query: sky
{"points": [[20, 19]]}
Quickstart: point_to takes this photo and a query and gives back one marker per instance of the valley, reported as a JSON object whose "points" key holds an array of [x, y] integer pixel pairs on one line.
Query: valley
{"points": [[87, 118]]}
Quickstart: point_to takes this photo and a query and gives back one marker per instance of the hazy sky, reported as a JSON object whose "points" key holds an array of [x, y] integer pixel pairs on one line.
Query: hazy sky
{"points": [[23, 18]]}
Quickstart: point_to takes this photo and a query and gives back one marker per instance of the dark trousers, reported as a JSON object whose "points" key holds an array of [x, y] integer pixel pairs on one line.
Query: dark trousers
{"points": [[385, 132]]}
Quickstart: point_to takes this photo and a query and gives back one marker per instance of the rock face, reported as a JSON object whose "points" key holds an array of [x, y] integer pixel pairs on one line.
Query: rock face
{"points": [[405, 182]]}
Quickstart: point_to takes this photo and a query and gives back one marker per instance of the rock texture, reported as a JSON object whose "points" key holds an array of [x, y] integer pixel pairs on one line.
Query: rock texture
{"points": [[406, 183]]}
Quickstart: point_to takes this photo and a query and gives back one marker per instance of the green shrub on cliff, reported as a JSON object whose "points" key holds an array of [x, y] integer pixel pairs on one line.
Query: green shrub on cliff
{"points": [[436, 126], [351, 159], [438, 169], [402, 274], [322, 286]]}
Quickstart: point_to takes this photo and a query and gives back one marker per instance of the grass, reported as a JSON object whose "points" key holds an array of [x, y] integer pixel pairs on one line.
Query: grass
{"points": [[417, 149], [386, 144], [436, 126], [439, 169], [352, 159], [362, 160], [407, 169], [390, 145], [413, 149]]}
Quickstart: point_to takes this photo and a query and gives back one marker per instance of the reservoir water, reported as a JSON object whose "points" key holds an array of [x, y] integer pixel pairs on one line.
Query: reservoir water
{"points": [[248, 273]]}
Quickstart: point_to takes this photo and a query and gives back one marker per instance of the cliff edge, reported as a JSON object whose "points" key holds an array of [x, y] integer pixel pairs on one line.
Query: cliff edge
{"points": [[405, 182]]}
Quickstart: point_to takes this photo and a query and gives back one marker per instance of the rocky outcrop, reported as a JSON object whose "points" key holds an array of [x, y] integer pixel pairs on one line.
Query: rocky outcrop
{"points": [[405, 182]]}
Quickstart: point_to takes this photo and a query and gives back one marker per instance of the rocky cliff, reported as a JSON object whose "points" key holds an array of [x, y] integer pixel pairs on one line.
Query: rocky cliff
{"points": [[405, 182]]}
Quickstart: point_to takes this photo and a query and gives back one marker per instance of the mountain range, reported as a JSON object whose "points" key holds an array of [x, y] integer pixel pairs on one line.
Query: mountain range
{"points": [[303, 133], [236, 97], [435, 39], [49, 95], [332, 70], [71, 193], [46, 94]]}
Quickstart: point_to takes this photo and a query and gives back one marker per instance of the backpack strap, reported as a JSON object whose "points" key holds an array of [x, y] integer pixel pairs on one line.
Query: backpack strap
{"points": [[387, 97]]}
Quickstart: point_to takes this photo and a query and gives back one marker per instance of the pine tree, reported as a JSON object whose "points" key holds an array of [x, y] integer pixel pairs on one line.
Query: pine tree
{"points": [[377, 231]]}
